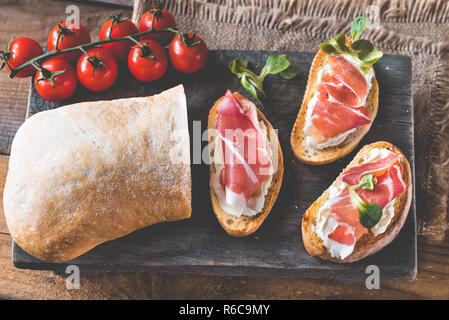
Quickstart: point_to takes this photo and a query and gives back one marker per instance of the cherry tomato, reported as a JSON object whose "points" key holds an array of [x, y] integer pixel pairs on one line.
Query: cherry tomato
{"points": [[19, 51], [162, 20], [121, 28], [148, 63], [189, 58], [70, 37], [99, 73], [64, 84]]}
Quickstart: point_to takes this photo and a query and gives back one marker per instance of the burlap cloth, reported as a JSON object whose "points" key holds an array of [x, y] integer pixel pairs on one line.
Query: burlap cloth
{"points": [[419, 29]]}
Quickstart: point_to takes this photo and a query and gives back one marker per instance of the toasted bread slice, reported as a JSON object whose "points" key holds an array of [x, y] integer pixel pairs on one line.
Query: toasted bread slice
{"points": [[245, 225], [329, 154], [368, 244]]}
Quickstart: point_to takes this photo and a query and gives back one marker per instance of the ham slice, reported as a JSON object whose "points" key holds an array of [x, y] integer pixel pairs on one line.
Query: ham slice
{"points": [[345, 213], [349, 75], [339, 97], [377, 168], [245, 150], [388, 185], [339, 91], [332, 119]]}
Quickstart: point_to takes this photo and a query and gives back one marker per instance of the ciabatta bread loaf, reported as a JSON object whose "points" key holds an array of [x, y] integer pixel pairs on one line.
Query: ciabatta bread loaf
{"points": [[91, 172]]}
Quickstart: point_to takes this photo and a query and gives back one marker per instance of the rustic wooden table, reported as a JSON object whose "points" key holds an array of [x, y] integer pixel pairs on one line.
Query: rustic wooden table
{"points": [[33, 19]]}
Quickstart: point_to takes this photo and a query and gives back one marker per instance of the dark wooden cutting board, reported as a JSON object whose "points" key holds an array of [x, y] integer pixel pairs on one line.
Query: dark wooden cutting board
{"points": [[199, 244]]}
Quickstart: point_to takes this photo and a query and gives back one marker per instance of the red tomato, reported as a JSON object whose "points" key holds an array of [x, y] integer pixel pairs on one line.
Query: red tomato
{"points": [[19, 51], [162, 20], [148, 63], [104, 65], [121, 28], [64, 84], [70, 37], [190, 58]]}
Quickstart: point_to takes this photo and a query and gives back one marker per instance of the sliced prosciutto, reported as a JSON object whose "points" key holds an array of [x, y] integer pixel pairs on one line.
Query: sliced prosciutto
{"points": [[332, 119], [354, 174], [349, 75], [339, 98], [388, 184], [338, 91], [345, 213], [246, 153]]}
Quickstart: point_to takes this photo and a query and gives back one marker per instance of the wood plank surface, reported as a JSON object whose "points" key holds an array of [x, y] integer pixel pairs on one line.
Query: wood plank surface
{"points": [[35, 18], [199, 244]]}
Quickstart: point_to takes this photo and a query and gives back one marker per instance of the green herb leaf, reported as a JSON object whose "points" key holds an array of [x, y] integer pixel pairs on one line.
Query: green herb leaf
{"points": [[336, 45], [340, 39], [328, 47], [366, 183], [238, 67], [250, 87], [369, 213], [290, 72], [370, 57], [358, 27], [364, 52], [275, 64], [362, 45]]}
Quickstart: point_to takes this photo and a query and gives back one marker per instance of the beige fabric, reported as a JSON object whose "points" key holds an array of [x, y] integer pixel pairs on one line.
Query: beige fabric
{"points": [[417, 28]]}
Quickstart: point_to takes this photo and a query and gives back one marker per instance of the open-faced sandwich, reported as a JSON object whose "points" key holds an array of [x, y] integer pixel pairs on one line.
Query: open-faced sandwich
{"points": [[341, 99], [364, 209], [246, 164]]}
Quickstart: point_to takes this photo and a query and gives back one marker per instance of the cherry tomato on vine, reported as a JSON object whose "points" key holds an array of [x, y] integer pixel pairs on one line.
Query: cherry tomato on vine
{"points": [[19, 51], [121, 27], [98, 70], [189, 55], [70, 37], [162, 20], [148, 62], [52, 84]]}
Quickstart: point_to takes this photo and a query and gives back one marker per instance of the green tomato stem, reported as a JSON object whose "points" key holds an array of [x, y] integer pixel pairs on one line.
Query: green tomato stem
{"points": [[83, 47]]}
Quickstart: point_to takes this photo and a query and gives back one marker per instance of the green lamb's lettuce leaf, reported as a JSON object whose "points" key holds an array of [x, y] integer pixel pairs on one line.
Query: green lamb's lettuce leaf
{"points": [[369, 213], [366, 182], [364, 52], [253, 83], [251, 88], [238, 66], [336, 45], [358, 27], [362, 46], [290, 72], [275, 64]]}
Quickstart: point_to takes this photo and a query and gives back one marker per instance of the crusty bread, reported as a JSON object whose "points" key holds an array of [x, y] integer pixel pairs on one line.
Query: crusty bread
{"points": [[244, 225], [91, 172], [368, 244], [330, 154]]}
